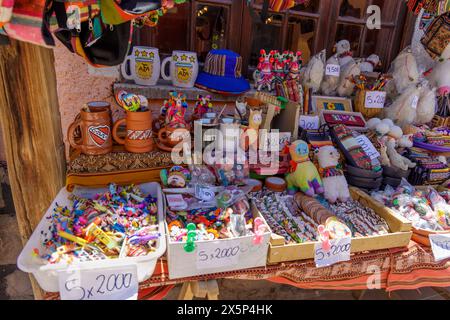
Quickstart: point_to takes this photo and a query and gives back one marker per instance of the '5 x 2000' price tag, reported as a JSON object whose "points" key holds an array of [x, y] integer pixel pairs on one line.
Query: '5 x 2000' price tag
{"points": [[218, 254], [99, 284], [440, 244], [339, 251]]}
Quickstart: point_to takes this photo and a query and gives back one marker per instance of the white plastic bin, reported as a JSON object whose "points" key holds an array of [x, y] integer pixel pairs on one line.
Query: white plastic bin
{"points": [[216, 256], [47, 274]]}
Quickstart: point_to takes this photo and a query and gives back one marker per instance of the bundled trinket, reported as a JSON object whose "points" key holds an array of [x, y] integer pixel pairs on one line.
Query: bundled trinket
{"points": [[363, 221], [119, 223], [284, 217]]}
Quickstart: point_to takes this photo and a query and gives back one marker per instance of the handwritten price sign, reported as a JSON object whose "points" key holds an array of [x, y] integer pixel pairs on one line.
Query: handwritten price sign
{"points": [[368, 147], [440, 244], [375, 99], [309, 122], [339, 251], [99, 284], [333, 70], [218, 254]]}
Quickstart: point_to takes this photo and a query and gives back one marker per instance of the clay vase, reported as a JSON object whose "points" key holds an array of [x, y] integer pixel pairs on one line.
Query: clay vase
{"points": [[95, 130], [169, 137], [139, 132]]}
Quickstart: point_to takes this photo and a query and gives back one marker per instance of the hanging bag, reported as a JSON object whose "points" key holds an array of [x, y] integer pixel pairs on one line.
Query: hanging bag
{"points": [[29, 23], [88, 36], [437, 36], [6, 8], [118, 12]]}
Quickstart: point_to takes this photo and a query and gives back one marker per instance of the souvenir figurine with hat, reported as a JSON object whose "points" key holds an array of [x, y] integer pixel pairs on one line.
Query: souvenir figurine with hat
{"points": [[222, 73]]}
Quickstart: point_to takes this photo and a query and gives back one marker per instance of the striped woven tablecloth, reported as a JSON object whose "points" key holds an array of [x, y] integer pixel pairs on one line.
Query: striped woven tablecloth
{"points": [[394, 269]]}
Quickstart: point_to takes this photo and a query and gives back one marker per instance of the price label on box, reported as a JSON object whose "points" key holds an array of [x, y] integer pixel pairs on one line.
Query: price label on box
{"points": [[339, 251], [204, 192], [440, 244], [99, 284], [218, 254], [309, 122], [375, 99], [333, 70]]}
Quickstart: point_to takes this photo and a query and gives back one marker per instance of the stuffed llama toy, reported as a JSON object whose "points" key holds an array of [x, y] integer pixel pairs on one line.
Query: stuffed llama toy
{"points": [[369, 64], [304, 175], [313, 72], [334, 183]]}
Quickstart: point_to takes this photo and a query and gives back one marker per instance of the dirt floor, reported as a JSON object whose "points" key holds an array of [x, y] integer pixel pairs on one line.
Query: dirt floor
{"points": [[15, 284]]}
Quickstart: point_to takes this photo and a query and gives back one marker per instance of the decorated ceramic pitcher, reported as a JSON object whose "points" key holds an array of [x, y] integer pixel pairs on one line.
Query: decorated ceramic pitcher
{"points": [[142, 66], [183, 68]]}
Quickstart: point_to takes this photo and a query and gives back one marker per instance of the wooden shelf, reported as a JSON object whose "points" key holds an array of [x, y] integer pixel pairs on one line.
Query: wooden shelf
{"points": [[162, 88]]}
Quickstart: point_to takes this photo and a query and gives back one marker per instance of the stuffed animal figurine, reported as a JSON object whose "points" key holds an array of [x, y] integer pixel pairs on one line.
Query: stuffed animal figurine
{"points": [[330, 83], [403, 110], [304, 175], [250, 136], [348, 72], [405, 72], [369, 64], [384, 159], [344, 52], [334, 183], [395, 158], [313, 73], [426, 108], [440, 77]]}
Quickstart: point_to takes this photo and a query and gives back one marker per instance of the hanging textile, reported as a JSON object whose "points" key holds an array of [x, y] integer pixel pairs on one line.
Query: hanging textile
{"points": [[436, 7]]}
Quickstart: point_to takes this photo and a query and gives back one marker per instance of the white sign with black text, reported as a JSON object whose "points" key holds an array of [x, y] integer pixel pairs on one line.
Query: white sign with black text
{"points": [[440, 244], [333, 70], [339, 251], [375, 99], [119, 283]]}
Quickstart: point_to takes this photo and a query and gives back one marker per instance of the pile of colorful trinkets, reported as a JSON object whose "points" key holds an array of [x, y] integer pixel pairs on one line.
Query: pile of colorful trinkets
{"points": [[119, 223], [284, 217], [211, 223], [426, 209], [361, 220]]}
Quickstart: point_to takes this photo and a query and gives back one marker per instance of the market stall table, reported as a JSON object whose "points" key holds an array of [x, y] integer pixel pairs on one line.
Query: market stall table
{"points": [[400, 269]]}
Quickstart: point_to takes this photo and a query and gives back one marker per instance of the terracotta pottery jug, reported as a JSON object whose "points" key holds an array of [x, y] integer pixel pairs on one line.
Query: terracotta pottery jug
{"points": [[95, 128], [169, 137], [139, 132]]}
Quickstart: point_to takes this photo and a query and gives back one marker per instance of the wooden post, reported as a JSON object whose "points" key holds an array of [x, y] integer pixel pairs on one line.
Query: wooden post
{"points": [[31, 124]]}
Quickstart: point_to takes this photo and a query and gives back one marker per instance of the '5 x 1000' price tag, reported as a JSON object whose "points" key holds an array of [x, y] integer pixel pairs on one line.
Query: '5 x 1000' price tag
{"points": [[339, 251], [99, 284]]}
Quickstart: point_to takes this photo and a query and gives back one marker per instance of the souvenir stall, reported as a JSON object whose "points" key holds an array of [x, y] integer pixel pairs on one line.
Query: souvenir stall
{"points": [[321, 173]]}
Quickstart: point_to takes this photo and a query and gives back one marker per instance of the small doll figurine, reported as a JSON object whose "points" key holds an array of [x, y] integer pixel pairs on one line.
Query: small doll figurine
{"points": [[278, 68], [174, 110], [294, 67], [250, 138], [175, 177], [304, 174], [263, 75], [202, 106]]}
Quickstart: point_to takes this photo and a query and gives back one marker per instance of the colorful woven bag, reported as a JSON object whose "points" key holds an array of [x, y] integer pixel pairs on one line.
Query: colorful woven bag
{"points": [[117, 12], [437, 36], [30, 22], [6, 7]]}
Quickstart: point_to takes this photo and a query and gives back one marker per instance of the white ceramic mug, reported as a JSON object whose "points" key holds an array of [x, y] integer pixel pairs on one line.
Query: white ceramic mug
{"points": [[144, 66], [183, 69]]}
